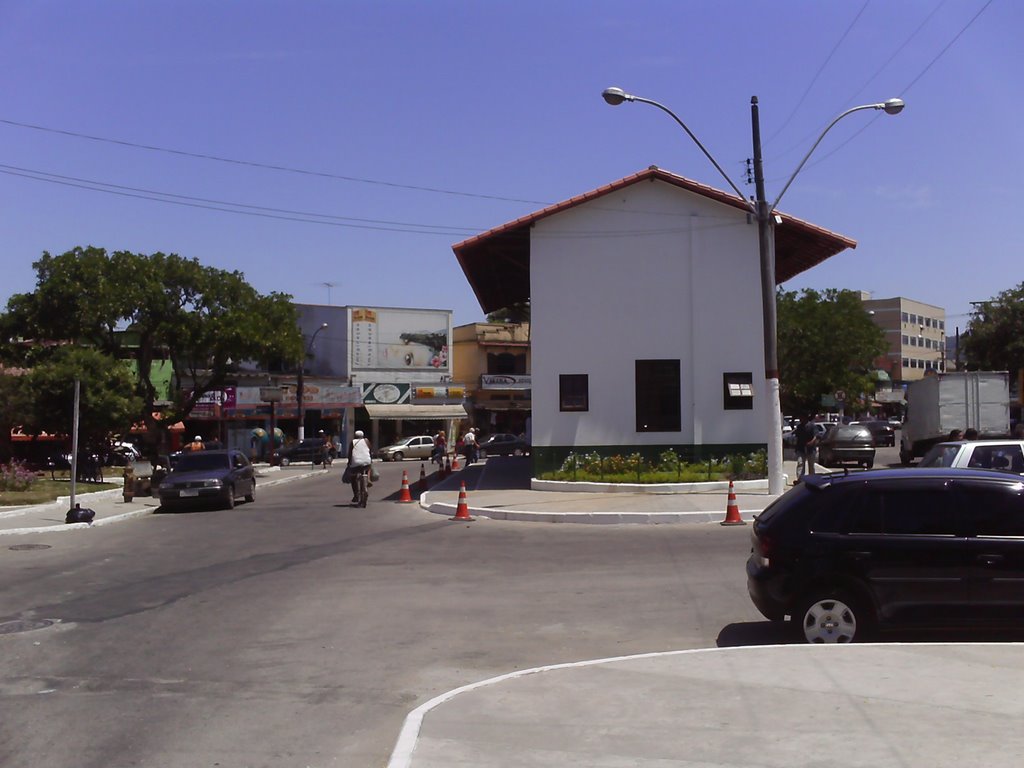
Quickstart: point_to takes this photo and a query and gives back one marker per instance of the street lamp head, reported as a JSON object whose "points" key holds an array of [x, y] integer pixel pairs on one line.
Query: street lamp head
{"points": [[323, 325], [616, 96], [893, 106]]}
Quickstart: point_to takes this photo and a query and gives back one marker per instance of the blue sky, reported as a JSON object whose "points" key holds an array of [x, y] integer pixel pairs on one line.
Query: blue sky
{"points": [[417, 124]]}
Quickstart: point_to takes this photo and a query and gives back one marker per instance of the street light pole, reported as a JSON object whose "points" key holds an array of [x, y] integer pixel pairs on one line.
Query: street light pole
{"points": [[300, 390], [766, 250]]}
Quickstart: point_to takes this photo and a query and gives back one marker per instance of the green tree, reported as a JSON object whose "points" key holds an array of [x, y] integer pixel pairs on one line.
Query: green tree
{"points": [[826, 342], [13, 405], [516, 313], [107, 402], [995, 333], [200, 318]]}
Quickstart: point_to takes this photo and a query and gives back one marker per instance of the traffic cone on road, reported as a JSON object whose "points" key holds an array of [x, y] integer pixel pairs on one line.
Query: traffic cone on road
{"points": [[455, 461], [405, 497], [423, 478], [462, 511], [732, 510]]}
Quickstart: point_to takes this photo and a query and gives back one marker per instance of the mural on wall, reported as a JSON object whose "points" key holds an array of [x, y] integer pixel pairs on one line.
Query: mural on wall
{"points": [[400, 338]]}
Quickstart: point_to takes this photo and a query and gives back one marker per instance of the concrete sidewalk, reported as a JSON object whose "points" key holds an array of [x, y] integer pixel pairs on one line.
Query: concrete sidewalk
{"points": [[110, 507], [940, 705]]}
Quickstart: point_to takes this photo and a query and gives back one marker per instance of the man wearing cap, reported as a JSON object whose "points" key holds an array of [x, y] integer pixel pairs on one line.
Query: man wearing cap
{"points": [[359, 457], [196, 444]]}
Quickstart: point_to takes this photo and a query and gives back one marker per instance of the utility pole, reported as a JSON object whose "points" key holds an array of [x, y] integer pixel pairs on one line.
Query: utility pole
{"points": [[771, 357]]}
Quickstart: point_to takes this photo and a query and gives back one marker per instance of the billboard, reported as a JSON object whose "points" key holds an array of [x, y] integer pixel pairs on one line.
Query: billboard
{"points": [[407, 339]]}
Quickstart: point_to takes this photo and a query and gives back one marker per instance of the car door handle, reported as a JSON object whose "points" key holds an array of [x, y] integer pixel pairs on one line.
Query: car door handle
{"points": [[990, 559]]}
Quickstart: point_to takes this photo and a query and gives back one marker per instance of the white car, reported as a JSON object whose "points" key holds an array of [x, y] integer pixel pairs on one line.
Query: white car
{"points": [[418, 447], [1006, 455]]}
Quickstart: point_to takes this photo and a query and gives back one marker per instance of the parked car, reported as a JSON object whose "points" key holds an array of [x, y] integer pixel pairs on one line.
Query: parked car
{"points": [[202, 477], [882, 432], [841, 556], [503, 444], [310, 450], [982, 454], [847, 444], [418, 447]]}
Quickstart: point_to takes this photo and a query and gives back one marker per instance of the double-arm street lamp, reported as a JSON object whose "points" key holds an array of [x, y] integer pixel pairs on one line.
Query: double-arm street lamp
{"points": [[766, 247], [300, 390]]}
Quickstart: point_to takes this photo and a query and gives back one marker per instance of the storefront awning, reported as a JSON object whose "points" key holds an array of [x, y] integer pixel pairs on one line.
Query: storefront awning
{"points": [[394, 412]]}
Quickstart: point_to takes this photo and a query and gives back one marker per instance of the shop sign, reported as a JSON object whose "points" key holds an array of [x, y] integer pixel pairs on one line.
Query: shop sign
{"points": [[439, 393], [504, 381], [387, 393]]}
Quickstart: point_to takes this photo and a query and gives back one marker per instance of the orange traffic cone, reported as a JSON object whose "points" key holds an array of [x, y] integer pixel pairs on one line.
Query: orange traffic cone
{"points": [[462, 511], [455, 461], [405, 497], [732, 510], [423, 478]]}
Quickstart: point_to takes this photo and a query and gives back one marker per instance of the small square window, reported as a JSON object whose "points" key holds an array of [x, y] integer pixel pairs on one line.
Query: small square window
{"points": [[738, 391], [574, 392]]}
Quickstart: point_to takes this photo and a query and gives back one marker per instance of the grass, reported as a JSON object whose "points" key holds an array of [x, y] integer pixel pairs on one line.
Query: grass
{"points": [[44, 490]]}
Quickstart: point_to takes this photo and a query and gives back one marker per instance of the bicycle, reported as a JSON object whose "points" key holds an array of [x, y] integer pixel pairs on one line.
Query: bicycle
{"points": [[362, 492]]}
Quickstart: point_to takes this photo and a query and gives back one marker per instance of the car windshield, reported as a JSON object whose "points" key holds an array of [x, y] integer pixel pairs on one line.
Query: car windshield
{"points": [[941, 455], [198, 462]]}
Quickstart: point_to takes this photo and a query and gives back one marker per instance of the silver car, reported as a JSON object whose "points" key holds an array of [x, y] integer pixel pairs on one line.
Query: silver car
{"points": [[418, 447]]}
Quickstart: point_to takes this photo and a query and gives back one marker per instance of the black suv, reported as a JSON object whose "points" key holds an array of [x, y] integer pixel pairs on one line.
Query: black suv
{"points": [[843, 554]]}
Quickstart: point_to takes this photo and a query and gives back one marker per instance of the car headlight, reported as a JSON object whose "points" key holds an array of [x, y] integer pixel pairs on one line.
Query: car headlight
{"points": [[212, 483]]}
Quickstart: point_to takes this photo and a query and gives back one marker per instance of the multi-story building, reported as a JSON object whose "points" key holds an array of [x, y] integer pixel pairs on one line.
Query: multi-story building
{"points": [[493, 359], [915, 333]]}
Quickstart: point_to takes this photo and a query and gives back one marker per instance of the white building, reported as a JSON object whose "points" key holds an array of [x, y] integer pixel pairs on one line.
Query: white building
{"points": [[646, 312]]}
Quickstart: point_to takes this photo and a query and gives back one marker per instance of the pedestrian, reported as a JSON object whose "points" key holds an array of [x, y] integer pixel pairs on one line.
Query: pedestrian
{"points": [[360, 454], [469, 444], [196, 444], [970, 434], [806, 447], [954, 435]]}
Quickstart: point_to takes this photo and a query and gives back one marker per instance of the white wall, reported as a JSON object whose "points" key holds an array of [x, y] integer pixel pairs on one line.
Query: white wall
{"points": [[648, 272]]}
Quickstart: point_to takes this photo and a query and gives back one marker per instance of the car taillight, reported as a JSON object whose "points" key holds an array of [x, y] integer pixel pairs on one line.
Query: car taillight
{"points": [[764, 548]]}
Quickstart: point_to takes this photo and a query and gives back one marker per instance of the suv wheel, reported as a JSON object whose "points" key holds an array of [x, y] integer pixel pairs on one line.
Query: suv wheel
{"points": [[285, 461], [832, 617]]}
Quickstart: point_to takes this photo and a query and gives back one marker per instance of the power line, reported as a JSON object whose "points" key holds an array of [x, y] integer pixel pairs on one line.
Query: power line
{"points": [[267, 166], [912, 83], [867, 82], [821, 69], [306, 217]]}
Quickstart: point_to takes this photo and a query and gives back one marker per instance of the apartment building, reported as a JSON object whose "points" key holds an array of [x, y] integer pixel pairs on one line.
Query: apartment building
{"points": [[915, 333]]}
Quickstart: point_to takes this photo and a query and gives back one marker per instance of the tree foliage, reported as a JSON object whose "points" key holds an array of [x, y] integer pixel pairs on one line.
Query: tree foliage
{"points": [[995, 333], [107, 404], [200, 318], [516, 313], [827, 342]]}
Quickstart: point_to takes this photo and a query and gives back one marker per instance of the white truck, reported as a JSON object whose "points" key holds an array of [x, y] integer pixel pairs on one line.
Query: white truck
{"points": [[940, 403]]}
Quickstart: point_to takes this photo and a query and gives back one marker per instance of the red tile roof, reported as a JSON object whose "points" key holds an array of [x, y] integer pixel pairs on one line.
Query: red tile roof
{"points": [[497, 262]]}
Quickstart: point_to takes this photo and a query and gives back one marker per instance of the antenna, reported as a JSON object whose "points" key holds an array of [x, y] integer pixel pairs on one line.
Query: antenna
{"points": [[328, 286]]}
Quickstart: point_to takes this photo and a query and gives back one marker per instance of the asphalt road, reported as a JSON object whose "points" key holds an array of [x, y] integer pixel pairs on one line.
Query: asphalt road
{"points": [[299, 631]]}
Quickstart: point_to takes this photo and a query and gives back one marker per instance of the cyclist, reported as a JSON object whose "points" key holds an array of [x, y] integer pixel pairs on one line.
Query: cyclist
{"points": [[359, 458]]}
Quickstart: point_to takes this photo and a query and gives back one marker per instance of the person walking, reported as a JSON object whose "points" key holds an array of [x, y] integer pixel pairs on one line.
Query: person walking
{"points": [[360, 455], [806, 447], [469, 443]]}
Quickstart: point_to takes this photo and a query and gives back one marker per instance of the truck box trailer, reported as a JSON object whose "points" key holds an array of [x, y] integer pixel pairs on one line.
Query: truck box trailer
{"points": [[940, 403]]}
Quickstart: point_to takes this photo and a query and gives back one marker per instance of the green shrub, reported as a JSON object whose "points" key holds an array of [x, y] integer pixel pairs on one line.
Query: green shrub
{"points": [[669, 468]]}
